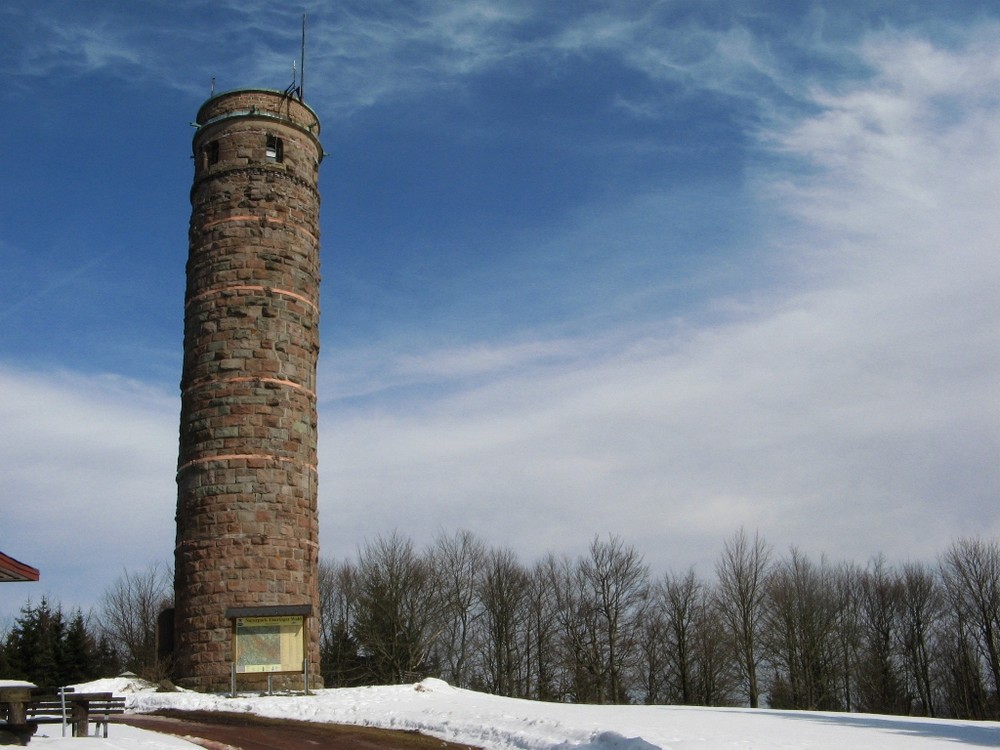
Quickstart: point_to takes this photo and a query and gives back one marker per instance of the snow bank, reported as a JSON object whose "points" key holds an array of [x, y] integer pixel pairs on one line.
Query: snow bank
{"points": [[435, 708]]}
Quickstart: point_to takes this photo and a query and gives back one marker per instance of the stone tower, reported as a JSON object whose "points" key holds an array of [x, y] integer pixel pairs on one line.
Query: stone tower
{"points": [[247, 523]]}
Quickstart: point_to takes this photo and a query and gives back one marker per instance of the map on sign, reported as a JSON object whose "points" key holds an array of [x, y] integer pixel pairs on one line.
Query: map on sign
{"points": [[261, 645], [269, 644]]}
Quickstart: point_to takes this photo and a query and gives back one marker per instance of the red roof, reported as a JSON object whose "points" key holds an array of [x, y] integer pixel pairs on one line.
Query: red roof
{"points": [[13, 570]]}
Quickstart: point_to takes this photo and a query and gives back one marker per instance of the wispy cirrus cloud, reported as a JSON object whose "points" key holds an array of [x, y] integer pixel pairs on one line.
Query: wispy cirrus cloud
{"points": [[837, 412], [363, 54]]}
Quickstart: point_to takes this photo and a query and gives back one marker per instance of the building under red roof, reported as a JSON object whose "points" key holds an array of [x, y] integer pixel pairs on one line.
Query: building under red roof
{"points": [[14, 570]]}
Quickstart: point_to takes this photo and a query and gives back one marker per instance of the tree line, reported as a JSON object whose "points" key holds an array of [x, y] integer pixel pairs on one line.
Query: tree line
{"points": [[785, 631], [50, 647]]}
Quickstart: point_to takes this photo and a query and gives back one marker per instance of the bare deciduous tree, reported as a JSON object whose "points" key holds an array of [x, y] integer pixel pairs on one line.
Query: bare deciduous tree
{"points": [[880, 676], [542, 631], [456, 561], [576, 615], [128, 616], [801, 621], [742, 572], [653, 648], [681, 598], [921, 609], [716, 678], [847, 597], [615, 580], [341, 664], [971, 573], [397, 610], [503, 595]]}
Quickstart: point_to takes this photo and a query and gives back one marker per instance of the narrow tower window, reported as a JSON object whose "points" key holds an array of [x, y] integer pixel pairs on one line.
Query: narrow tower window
{"points": [[210, 154], [275, 149]]}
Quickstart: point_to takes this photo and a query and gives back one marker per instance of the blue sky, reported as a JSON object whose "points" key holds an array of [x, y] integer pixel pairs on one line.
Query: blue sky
{"points": [[657, 269]]}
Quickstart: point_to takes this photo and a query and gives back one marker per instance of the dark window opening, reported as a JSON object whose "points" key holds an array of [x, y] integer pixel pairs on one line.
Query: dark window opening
{"points": [[210, 154], [275, 149]]}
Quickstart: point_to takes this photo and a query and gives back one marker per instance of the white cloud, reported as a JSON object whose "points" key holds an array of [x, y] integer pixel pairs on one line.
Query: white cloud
{"points": [[88, 488], [853, 413], [52, 45], [728, 59]]}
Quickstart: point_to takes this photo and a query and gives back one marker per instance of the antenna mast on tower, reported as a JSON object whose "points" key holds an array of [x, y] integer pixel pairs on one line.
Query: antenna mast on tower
{"points": [[302, 67], [295, 87]]}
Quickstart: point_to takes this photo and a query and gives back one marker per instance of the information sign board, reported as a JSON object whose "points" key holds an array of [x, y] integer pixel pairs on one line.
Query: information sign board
{"points": [[269, 643]]}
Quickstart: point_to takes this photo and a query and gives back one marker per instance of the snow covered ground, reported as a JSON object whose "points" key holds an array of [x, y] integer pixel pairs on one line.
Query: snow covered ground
{"points": [[435, 708]]}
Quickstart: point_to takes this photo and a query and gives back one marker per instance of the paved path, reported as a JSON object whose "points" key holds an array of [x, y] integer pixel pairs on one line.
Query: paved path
{"points": [[222, 731]]}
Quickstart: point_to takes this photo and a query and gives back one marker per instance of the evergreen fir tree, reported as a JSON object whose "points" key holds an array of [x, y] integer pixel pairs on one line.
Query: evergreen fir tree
{"points": [[107, 662], [46, 648], [33, 649], [79, 653], [5, 667]]}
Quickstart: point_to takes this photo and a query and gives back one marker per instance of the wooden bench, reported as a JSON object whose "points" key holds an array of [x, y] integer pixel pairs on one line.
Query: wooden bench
{"points": [[79, 710]]}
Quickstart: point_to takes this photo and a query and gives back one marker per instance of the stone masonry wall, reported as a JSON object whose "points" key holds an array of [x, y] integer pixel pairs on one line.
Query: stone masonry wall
{"points": [[247, 522]]}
